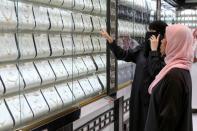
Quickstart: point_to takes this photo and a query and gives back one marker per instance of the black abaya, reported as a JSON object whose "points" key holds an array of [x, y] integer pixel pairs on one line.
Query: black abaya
{"points": [[170, 103], [146, 70]]}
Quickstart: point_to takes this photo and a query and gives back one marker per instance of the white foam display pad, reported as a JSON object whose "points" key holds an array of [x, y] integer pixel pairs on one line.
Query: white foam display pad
{"points": [[56, 45], [80, 66], [103, 44], [68, 44], [89, 63], [8, 48], [57, 2], [55, 18], [88, 6], [78, 42], [96, 44], [65, 93], [79, 5], [25, 16], [87, 23], [52, 98], [30, 75], [6, 121], [59, 69], [70, 67], [26, 46], [103, 79], [103, 23], [103, 4], [68, 3], [86, 86], [45, 72], [76, 89], [96, 24], [104, 59], [19, 109], [42, 45], [95, 83], [67, 20], [99, 62], [87, 44], [41, 18], [37, 103], [11, 78], [79, 27], [96, 5], [7, 14]]}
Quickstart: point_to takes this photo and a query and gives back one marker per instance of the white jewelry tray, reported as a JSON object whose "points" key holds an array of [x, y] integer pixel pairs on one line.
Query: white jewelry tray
{"points": [[59, 69], [70, 67], [52, 98], [68, 44], [87, 44], [37, 103], [25, 16], [8, 48], [95, 83], [45, 72], [86, 86], [65, 93], [6, 122], [42, 45], [56, 45], [55, 18], [26, 46], [41, 18], [8, 18], [11, 78], [30, 75], [76, 89], [19, 109], [89, 63]]}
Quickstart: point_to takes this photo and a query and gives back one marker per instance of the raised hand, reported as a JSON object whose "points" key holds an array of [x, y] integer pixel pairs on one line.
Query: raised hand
{"points": [[107, 36], [154, 41]]}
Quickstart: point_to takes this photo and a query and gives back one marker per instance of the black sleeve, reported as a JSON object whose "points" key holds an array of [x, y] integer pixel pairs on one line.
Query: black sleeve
{"points": [[155, 63], [129, 55], [171, 103]]}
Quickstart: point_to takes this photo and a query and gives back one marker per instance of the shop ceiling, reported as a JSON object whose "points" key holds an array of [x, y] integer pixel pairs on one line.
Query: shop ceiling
{"points": [[183, 4]]}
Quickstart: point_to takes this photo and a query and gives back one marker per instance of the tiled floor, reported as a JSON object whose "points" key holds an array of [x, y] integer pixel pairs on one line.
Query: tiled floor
{"points": [[195, 122]]}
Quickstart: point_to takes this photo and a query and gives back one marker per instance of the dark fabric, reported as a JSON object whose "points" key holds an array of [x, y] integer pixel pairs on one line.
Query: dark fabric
{"points": [[146, 44], [146, 69], [158, 26], [170, 103]]}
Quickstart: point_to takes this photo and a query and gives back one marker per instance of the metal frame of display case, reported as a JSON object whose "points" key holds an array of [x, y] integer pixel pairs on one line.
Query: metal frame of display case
{"points": [[112, 65]]}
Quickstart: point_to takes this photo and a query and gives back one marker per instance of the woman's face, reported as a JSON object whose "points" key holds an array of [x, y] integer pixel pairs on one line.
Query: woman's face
{"points": [[163, 46]]}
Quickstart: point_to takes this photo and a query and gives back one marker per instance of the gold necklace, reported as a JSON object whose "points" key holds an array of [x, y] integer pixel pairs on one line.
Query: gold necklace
{"points": [[25, 13]]}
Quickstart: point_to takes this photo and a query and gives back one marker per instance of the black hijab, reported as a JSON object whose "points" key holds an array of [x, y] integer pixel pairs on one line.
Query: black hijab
{"points": [[159, 27]]}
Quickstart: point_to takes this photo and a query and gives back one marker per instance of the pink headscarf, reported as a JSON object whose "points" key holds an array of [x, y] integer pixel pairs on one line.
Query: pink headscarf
{"points": [[179, 51]]}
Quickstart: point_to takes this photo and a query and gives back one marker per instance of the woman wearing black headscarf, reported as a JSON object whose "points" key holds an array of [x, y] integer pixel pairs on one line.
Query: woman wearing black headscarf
{"points": [[149, 62]]}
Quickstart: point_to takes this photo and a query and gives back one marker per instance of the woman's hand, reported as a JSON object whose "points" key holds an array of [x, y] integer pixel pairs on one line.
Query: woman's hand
{"points": [[107, 36], [154, 42]]}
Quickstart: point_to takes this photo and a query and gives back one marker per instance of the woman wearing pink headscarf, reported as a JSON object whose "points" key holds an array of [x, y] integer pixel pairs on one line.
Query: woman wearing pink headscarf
{"points": [[170, 104]]}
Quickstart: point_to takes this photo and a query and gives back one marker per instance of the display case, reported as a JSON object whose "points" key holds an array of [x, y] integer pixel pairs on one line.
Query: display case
{"points": [[48, 58]]}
